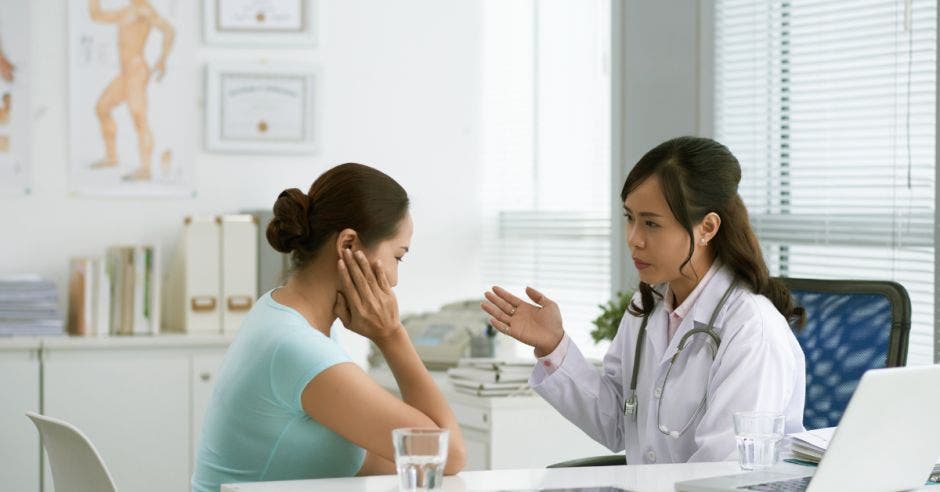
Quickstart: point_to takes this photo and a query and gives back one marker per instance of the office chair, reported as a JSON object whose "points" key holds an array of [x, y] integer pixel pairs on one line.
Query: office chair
{"points": [[76, 464], [851, 326]]}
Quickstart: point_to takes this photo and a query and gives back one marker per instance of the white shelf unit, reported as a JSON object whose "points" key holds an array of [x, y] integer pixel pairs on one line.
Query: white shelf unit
{"points": [[139, 399]]}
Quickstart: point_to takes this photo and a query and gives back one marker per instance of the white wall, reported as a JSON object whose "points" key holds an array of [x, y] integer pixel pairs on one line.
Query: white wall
{"points": [[400, 91]]}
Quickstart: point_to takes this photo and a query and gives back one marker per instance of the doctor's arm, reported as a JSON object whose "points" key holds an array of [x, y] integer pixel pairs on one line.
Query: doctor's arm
{"points": [[590, 399], [757, 371]]}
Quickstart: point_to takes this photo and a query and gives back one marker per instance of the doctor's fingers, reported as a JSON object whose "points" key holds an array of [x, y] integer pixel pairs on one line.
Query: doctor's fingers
{"points": [[503, 327], [501, 303], [537, 297], [507, 296], [496, 313]]}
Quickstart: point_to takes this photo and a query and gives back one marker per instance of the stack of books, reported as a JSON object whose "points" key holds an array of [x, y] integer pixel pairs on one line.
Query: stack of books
{"points": [[116, 294], [29, 305], [810, 446], [491, 377]]}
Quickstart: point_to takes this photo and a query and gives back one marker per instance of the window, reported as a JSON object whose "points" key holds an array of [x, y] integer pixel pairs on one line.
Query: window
{"points": [[546, 152], [830, 108]]}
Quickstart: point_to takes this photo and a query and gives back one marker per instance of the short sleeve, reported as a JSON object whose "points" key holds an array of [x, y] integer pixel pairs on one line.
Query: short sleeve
{"points": [[297, 360]]}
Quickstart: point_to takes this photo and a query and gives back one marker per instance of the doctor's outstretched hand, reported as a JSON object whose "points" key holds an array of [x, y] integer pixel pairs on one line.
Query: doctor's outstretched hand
{"points": [[538, 325]]}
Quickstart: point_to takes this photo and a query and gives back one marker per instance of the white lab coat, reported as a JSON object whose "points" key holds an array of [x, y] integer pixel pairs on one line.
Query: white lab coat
{"points": [[759, 366]]}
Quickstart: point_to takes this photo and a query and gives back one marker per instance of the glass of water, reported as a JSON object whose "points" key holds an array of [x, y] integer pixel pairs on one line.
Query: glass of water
{"points": [[420, 455], [758, 435]]}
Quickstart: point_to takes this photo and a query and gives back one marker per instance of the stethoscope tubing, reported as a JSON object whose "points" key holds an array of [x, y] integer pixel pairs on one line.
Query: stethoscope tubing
{"points": [[630, 404]]}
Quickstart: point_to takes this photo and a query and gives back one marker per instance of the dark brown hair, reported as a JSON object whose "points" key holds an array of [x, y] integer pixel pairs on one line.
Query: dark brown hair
{"points": [[699, 176], [348, 196]]}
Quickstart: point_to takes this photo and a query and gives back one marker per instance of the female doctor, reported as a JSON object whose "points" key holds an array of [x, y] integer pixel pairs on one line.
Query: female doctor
{"points": [[706, 335]]}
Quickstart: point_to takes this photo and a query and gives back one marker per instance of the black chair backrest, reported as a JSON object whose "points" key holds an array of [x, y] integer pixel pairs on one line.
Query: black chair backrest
{"points": [[851, 326]]}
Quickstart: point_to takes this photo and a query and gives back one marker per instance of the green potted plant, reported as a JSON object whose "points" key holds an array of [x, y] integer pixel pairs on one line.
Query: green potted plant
{"points": [[609, 320]]}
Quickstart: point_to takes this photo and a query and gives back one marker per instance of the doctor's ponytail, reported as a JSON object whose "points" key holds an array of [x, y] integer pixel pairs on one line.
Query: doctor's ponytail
{"points": [[699, 176]]}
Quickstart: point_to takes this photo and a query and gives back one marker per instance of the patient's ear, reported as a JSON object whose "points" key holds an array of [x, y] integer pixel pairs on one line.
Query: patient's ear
{"points": [[347, 239]]}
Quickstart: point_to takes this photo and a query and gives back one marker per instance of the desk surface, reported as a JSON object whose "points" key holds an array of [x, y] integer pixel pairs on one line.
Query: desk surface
{"points": [[636, 477]]}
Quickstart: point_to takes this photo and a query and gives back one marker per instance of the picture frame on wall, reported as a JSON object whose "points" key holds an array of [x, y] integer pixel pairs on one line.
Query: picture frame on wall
{"points": [[130, 93], [259, 22], [261, 108], [15, 170]]}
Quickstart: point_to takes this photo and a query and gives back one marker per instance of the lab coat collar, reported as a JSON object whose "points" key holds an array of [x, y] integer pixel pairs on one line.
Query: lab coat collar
{"points": [[702, 310]]}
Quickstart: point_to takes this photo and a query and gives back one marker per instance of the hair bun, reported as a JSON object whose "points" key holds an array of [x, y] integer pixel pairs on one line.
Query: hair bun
{"points": [[289, 230]]}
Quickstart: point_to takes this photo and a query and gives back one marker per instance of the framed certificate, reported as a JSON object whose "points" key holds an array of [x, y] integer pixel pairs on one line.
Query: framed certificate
{"points": [[259, 22], [260, 108]]}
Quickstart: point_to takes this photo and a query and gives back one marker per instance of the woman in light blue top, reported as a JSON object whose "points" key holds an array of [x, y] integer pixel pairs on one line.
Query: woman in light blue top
{"points": [[289, 403]]}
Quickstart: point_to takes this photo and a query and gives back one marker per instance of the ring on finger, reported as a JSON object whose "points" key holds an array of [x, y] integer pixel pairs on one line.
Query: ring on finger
{"points": [[513, 311]]}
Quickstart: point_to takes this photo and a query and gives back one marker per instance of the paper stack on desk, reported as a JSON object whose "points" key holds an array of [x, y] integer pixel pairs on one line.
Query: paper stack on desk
{"points": [[491, 377], [811, 445], [29, 305]]}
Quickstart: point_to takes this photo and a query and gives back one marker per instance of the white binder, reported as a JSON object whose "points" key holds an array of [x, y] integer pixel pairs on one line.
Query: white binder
{"points": [[192, 302], [239, 268]]}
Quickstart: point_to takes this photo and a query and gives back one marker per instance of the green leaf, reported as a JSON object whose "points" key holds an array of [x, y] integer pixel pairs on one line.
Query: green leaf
{"points": [[609, 320]]}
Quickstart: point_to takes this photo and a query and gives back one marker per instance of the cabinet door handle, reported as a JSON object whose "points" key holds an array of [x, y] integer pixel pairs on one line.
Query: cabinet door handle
{"points": [[201, 304], [204, 376], [239, 303]]}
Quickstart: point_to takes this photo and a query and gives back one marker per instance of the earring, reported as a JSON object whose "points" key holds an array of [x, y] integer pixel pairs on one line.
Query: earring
{"points": [[704, 242]]}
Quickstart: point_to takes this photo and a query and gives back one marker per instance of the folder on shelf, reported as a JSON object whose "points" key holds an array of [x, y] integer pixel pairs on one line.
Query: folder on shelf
{"points": [[193, 285], [146, 319], [272, 265], [80, 318], [239, 268]]}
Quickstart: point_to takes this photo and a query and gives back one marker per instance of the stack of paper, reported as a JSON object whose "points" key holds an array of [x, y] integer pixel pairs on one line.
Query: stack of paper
{"points": [[811, 445], [29, 305], [491, 377]]}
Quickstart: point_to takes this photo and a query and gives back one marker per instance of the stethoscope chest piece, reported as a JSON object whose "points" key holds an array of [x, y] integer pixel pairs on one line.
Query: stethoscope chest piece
{"points": [[629, 406]]}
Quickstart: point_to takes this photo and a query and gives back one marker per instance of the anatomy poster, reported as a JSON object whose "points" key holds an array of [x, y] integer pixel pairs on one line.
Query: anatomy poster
{"points": [[14, 97], [132, 103]]}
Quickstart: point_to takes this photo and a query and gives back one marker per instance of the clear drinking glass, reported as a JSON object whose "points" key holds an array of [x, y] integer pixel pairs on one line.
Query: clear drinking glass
{"points": [[420, 455], [758, 435]]}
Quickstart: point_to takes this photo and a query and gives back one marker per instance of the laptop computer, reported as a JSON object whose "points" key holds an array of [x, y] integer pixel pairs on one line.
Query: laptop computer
{"points": [[887, 439]]}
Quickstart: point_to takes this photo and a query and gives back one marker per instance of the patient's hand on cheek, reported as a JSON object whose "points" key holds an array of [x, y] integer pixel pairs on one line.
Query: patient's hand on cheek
{"points": [[367, 297]]}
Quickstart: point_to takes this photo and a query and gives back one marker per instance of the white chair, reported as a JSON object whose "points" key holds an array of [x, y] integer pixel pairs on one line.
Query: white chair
{"points": [[76, 464]]}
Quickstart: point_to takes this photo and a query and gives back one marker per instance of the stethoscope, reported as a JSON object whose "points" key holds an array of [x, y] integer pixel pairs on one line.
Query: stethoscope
{"points": [[630, 404]]}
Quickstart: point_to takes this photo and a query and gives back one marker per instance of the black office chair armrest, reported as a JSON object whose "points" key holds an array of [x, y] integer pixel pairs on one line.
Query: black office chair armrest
{"points": [[609, 460]]}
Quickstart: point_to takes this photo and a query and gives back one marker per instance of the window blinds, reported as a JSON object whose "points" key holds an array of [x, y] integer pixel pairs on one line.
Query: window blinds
{"points": [[546, 155], [830, 108]]}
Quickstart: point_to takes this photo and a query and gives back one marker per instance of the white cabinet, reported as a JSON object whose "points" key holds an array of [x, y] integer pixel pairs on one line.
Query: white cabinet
{"points": [[521, 431], [19, 441], [139, 399]]}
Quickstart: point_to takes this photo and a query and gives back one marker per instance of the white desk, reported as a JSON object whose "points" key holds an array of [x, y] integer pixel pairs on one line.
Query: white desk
{"points": [[633, 478], [640, 478]]}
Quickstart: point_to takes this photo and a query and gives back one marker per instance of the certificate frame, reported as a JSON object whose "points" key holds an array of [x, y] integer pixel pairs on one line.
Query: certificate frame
{"points": [[228, 22], [261, 108]]}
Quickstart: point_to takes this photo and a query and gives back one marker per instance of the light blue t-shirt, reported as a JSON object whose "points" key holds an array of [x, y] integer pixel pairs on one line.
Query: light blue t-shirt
{"points": [[255, 428]]}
